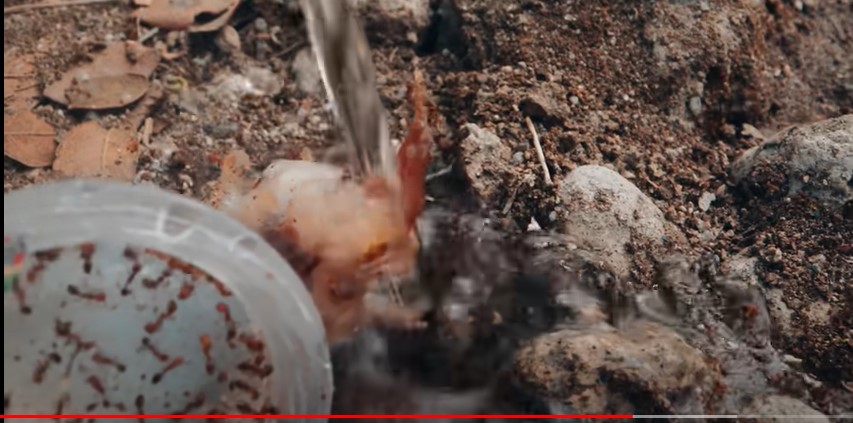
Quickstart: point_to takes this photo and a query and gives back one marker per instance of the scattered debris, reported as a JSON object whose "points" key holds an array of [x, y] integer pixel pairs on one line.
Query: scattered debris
{"points": [[186, 15], [602, 99], [116, 77], [90, 150]]}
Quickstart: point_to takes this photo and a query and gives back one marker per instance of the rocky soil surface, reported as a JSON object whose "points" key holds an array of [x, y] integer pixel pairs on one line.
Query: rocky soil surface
{"points": [[692, 254]]}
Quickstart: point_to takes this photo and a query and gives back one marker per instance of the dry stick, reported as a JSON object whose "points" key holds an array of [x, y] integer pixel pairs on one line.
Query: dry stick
{"points": [[51, 3], [147, 130], [511, 201], [539, 151], [148, 35], [292, 48], [439, 173]]}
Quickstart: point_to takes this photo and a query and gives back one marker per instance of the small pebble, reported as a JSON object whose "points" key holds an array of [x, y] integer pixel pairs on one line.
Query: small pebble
{"points": [[261, 25], [705, 201], [791, 360], [695, 106]]}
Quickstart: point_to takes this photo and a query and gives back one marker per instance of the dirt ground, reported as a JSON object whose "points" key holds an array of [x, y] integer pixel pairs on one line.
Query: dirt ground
{"points": [[666, 93]]}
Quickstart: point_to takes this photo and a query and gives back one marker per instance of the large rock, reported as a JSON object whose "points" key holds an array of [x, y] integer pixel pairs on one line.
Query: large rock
{"points": [[815, 159], [605, 213], [777, 408], [646, 368]]}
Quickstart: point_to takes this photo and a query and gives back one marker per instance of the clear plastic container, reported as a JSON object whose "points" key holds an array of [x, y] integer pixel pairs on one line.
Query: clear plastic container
{"points": [[130, 299]]}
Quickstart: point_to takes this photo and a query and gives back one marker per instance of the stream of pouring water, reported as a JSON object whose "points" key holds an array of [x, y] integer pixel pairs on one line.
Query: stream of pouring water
{"points": [[346, 66]]}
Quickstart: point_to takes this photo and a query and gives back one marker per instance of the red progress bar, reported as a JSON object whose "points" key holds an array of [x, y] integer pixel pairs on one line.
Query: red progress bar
{"points": [[317, 416]]}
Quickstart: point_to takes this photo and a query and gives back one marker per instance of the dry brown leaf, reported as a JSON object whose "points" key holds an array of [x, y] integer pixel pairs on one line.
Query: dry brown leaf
{"points": [[91, 151], [106, 92], [28, 139], [19, 80], [181, 15], [102, 78]]}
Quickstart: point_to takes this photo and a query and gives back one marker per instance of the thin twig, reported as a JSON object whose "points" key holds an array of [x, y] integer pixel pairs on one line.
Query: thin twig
{"points": [[292, 48], [148, 35], [439, 173], [51, 3], [511, 201], [147, 130], [13, 76], [539, 151]]}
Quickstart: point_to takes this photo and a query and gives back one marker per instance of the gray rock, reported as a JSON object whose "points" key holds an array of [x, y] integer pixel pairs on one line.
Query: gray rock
{"points": [[486, 162], [591, 372], [743, 269], [816, 159], [543, 103], [695, 105], [605, 211], [780, 313], [417, 12], [518, 158], [705, 201], [777, 408], [306, 72]]}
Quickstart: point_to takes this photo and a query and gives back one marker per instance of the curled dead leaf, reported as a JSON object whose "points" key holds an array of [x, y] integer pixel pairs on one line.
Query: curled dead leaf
{"points": [[116, 77], [19, 83], [90, 150], [106, 92], [28, 139], [192, 15]]}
